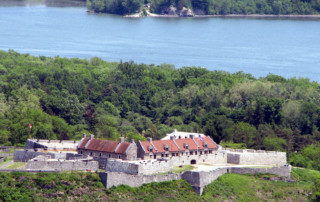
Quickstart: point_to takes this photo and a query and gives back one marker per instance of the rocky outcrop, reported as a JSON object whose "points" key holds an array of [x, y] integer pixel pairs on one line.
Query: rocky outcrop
{"points": [[173, 11]]}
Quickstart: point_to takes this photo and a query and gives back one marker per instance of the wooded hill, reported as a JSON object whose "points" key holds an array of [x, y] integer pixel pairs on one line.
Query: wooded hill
{"points": [[210, 7], [63, 98]]}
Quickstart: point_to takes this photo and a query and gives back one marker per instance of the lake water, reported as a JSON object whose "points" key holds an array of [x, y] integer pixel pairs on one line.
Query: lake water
{"points": [[287, 47]]}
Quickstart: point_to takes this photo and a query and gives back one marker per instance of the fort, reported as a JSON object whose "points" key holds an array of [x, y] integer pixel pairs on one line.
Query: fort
{"points": [[134, 164]]}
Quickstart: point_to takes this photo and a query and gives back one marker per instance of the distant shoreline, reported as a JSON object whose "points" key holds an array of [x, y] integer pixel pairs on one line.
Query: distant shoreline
{"points": [[138, 15]]}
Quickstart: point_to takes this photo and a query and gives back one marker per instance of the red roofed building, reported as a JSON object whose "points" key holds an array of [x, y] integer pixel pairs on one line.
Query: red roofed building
{"points": [[103, 149], [188, 146]]}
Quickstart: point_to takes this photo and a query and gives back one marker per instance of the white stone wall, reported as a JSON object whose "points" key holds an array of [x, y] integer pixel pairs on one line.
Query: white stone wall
{"points": [[256, 157], [110, 179], [62, 165], [217, 157], [146, 167]]}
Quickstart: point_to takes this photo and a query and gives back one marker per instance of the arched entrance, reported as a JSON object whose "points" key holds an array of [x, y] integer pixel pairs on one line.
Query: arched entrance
{"points": [[193, 161]]}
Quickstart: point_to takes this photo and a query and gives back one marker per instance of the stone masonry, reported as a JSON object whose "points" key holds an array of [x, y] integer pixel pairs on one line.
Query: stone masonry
{"points": [[198, 180]]}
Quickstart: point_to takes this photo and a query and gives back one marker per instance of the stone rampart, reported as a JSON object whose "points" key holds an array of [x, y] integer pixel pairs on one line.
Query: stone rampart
{"points": [[63, 165], [218, 157], [146, 167], [26, 155], [110, 179], [151, 166], [256, 157], [283, 171], [198, 180]]}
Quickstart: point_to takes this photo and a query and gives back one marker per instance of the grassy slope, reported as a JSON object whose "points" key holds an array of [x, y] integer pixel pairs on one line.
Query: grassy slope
{"points": [[87, 186]]}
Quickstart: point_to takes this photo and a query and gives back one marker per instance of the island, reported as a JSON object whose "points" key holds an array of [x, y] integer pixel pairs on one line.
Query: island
{"points": [[196, 8]]}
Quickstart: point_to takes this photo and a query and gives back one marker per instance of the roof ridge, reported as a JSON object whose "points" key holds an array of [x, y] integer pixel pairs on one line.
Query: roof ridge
{"points": [[88, 143], [117, 147], [195, 143], [153, 146], [141, 146], [174, 141]]}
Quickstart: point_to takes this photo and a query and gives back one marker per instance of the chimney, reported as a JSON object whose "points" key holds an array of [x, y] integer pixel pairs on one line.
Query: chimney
{"points": [[174, 130], [121, 139], [91, 137], [84, 135], [149, 139], [192, 136]]}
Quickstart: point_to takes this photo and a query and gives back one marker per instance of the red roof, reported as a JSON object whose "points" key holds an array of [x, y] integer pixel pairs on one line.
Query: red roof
{"points": [[145, 145], [211, 144], [189, 141], [83, 143], [160, 144], [104, 146], [123, 147]]}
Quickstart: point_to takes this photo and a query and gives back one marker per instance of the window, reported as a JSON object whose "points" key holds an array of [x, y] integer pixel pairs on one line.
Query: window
{"points": [[186, 146], [166, 147], [109, 155], [205, 152], [167, 155], [173, 154], [181, 153], [205, 145], [195, 152], [191, 153], [100, 154], [210, 151], [162, 155], [151, 156], [119, 156], [200, 152], [187, 153], [150, 148], [81, 152], [91, 153]]}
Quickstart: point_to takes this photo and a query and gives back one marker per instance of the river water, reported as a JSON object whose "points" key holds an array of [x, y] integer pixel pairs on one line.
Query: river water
{"points": [[287, 47]]}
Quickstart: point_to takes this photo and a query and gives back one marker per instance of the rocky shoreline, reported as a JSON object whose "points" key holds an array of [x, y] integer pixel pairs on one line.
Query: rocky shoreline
{"points": [[139, 15]]}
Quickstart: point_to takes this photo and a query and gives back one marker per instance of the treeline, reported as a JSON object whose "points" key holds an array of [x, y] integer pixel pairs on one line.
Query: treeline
{"points": [[63, 98], [210, 7], [225, 7], [121, 7]]}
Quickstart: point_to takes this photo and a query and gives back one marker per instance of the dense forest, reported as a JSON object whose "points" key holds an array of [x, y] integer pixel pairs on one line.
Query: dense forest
{"points": [[210, 7], [62, 98]]}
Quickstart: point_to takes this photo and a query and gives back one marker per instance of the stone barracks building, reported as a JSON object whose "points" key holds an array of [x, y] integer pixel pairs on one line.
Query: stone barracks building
{"points": [[183, 146], [107, 148]]}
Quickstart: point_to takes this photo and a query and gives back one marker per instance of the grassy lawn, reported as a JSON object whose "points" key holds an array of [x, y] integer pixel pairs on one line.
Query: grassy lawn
{"points": [[16, 165], [177, 169]]}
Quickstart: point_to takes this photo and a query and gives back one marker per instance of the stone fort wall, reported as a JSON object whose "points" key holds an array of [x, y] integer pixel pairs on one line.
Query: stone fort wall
{"points": [[256, 157], [110, 179], [198, 180], [146, 167], [62, 165], [26, 155]]}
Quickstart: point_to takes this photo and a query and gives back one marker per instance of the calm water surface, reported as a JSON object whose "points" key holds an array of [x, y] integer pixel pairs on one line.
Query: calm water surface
{"points": [[288, 47]]}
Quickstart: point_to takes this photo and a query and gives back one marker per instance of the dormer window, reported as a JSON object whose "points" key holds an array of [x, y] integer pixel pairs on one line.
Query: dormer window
{"points": [[186, 146], [150, 149], [166, 147], [205, 145]]}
